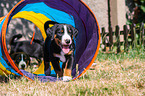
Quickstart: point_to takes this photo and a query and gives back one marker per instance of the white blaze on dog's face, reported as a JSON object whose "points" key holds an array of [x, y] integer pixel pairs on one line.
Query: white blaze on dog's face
{"points": [[66, 40], [22, 64]]}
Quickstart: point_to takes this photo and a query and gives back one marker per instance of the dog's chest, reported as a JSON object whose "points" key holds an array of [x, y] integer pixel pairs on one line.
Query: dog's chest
{"points": [[60, 56]]}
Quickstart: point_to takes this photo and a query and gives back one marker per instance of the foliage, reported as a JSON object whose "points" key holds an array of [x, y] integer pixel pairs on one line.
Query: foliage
{"points": [[141, 6], [138, 12]]}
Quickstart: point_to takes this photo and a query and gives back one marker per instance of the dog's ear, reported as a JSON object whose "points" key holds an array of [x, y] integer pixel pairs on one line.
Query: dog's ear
{"points": [[50, 30], [47, 24], [13, 56], [75, 32]]}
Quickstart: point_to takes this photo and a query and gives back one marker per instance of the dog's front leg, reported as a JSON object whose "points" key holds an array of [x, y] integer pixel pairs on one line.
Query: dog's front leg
{"points": [[56, 66], [47, 69], [68, 68]]}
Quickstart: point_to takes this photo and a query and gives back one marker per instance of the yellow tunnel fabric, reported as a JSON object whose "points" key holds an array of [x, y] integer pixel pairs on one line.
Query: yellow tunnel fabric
{"points": [[4, 70], [40, 70], [37, 18], [1, 18]]}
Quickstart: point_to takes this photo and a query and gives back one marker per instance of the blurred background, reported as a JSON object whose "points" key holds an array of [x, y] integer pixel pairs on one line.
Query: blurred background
{"points": [[109, 13]]}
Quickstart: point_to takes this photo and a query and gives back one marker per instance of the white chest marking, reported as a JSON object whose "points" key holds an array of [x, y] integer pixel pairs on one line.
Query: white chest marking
{"points": [[60, 56]]}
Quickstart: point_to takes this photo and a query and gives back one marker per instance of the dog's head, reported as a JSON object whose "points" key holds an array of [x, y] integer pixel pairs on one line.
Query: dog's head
{"points": [[63, 34], [21, 60]]}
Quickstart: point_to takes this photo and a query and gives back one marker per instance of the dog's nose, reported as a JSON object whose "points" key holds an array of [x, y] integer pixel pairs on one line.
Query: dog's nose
{"points": [[67, 41], [23, 66]]}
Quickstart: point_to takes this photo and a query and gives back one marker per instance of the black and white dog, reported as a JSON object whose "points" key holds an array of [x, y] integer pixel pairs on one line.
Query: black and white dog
{"points": [[21, 59], [32, 50], [59, 46]]}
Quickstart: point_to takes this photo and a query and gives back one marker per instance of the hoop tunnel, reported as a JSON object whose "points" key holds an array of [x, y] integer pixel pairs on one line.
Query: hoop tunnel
{"points": [[73, 12]]}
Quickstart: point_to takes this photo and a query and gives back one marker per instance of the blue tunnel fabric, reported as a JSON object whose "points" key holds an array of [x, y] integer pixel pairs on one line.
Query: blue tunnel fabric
{"points": [[3, 62], [53, 14]]}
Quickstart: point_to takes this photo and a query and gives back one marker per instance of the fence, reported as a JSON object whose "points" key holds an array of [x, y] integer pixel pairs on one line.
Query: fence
{"points": [[131, 36]]}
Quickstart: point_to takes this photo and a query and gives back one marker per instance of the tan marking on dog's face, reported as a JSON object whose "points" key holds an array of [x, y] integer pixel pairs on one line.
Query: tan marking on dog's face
{"points": [[57, 41]]}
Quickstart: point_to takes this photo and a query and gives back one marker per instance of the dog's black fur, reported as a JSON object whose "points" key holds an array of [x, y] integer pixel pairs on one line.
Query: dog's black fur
{"points": [[53, 48], [33, 50]]}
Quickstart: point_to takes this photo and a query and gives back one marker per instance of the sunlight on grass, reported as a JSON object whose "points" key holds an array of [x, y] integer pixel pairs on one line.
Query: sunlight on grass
{"points": [[115, 75]]}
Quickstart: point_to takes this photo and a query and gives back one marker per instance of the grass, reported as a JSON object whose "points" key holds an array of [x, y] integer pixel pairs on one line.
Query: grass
{"points": [[114, 75]]}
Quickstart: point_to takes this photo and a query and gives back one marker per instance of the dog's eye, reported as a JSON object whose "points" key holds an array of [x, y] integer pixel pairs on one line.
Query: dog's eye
{"points": [[61, 30]]}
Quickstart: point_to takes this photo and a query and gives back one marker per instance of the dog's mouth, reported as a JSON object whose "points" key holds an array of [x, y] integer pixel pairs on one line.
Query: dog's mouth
{"points": [[65, 48]]}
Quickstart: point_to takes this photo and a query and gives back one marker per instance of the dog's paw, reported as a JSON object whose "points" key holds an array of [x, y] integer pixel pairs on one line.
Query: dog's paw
{"points": [[67, 78]]}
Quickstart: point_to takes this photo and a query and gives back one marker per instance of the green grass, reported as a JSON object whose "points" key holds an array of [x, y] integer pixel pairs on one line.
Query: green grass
{"points": [[114, 75]]}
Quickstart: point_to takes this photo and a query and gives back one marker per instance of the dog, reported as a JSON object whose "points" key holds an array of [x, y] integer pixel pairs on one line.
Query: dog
{"points": [[34, 50], [21, 59], [59, 46]]}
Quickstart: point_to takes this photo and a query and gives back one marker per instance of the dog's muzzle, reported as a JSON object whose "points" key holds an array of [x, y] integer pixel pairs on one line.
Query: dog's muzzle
{"points": [[22, 64]]}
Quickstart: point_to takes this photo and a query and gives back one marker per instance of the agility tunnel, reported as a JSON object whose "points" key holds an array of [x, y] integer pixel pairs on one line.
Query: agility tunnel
{"points": [[74, 12]]}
